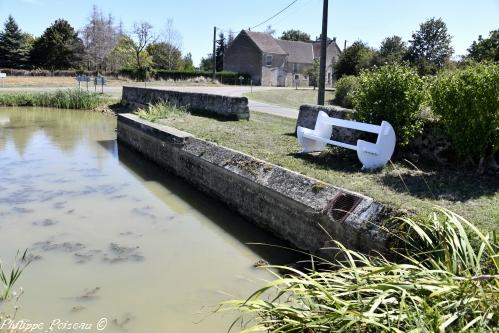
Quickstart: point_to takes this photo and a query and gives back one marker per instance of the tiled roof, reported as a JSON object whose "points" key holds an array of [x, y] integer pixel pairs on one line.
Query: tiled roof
{"points": [[265, 42], [299, 52]]}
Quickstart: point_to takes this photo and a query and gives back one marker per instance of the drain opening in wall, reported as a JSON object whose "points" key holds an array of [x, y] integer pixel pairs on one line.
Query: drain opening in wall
{"points": [[342, 205]]}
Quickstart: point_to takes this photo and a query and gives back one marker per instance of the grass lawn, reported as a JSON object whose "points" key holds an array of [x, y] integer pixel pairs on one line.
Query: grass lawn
{"points": [[288, 97], [271, 138]]}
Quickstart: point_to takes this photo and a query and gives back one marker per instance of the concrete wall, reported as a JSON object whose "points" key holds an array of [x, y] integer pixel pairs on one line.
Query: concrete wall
{"points": [[293, 207], [230, 107], [243, 56], [274, 75]]}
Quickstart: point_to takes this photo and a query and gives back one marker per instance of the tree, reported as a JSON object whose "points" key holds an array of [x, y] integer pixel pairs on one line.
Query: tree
{"points": [[392, 50], [230, 37], [220, 51], [485, 49], [296, 35], [206, 64], [356, 57], [143, 36], [313, 73], [58, 48], [430, 47], [164, 55], [14, 45], [173, 40], [122, 55], [99, 38], [187, 63]]}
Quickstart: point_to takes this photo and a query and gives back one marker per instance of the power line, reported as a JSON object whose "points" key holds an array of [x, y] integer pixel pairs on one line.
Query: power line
{"points": [[270, 18]]}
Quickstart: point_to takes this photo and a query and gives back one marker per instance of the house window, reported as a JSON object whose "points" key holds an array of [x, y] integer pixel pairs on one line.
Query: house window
{"points": [[328, 78], [296, 68], [268, 60]]}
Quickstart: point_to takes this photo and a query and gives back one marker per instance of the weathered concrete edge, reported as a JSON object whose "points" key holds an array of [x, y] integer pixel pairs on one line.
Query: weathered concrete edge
{"points": [[292, 206]]}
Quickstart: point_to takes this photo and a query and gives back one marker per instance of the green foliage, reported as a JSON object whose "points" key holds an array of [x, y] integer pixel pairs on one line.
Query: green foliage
{"points": [[467, 102], [430, 47], [356, 57], [63, 99], [313, 73], [226, 77], [392, 50], [206, 64], [394, 93], [165, 56], [122, 55], [485, 49], [448, 281], [220, 51], [345, 89], [295, 35], [14, 46], [159, 111], [187, 63], [9, 280], [58, 48]]}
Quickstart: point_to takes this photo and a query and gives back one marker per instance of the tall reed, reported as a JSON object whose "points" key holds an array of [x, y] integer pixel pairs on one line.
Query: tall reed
{"points": [[447, 281], [63, 99]]}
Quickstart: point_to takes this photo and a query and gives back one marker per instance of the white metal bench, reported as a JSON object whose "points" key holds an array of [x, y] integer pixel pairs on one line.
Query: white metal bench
{"points": [[372, 155]]}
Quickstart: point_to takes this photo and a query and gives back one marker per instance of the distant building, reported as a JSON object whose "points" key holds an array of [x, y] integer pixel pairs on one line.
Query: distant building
{"points": [[275, 62]]}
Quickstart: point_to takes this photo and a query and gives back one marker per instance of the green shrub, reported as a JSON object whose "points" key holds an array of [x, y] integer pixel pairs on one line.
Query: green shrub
{"points": [[448, 282], [62, 99], [467, 102], [394, 93], [345, 88]]}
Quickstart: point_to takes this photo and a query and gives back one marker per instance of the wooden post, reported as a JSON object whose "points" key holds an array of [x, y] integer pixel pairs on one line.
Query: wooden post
{"points": [[322, 74]]}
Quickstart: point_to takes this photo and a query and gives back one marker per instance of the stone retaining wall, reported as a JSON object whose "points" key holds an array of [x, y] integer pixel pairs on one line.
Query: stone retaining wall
{"points": [[298, 209], [217, 105]]}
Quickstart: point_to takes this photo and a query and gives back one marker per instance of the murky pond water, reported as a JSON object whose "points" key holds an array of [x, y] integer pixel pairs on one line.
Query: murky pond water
{"points": [[114, 236]]}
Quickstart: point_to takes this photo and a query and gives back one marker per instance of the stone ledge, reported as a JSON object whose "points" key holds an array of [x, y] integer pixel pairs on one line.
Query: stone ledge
{"points": [[296, 208], [207, 104]]}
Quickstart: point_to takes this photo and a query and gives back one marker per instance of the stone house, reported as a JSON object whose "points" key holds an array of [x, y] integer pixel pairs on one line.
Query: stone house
{"points": [[275, 62]]}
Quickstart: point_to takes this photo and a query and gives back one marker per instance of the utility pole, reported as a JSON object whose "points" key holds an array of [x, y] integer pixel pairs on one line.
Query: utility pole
{"points": [[214, 55], [322, 72], [345, 45]]}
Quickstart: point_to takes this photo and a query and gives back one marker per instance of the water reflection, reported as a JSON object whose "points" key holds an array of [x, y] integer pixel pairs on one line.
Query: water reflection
{"points": [[113, 235]]}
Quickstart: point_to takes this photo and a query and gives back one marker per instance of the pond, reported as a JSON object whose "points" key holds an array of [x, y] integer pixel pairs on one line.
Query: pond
{"points": [[113, 236]]}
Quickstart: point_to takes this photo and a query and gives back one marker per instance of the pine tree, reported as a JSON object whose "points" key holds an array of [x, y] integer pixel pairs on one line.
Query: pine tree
{"points": [[58, 48], [14, 46], [219, 52]]}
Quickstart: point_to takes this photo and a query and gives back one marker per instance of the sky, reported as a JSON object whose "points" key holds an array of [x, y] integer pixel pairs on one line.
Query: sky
{"points": [[367, 20]]}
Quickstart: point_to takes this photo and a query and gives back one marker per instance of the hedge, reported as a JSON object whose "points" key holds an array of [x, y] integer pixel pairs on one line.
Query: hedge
{"points": [[467, 103], [394, 93]]}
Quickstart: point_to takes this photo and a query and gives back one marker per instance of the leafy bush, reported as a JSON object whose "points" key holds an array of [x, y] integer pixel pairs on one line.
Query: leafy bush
{"points": [[449, 282], [63, 99], [394, 93], [467, 102], [345, 88], [159, 111]]}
